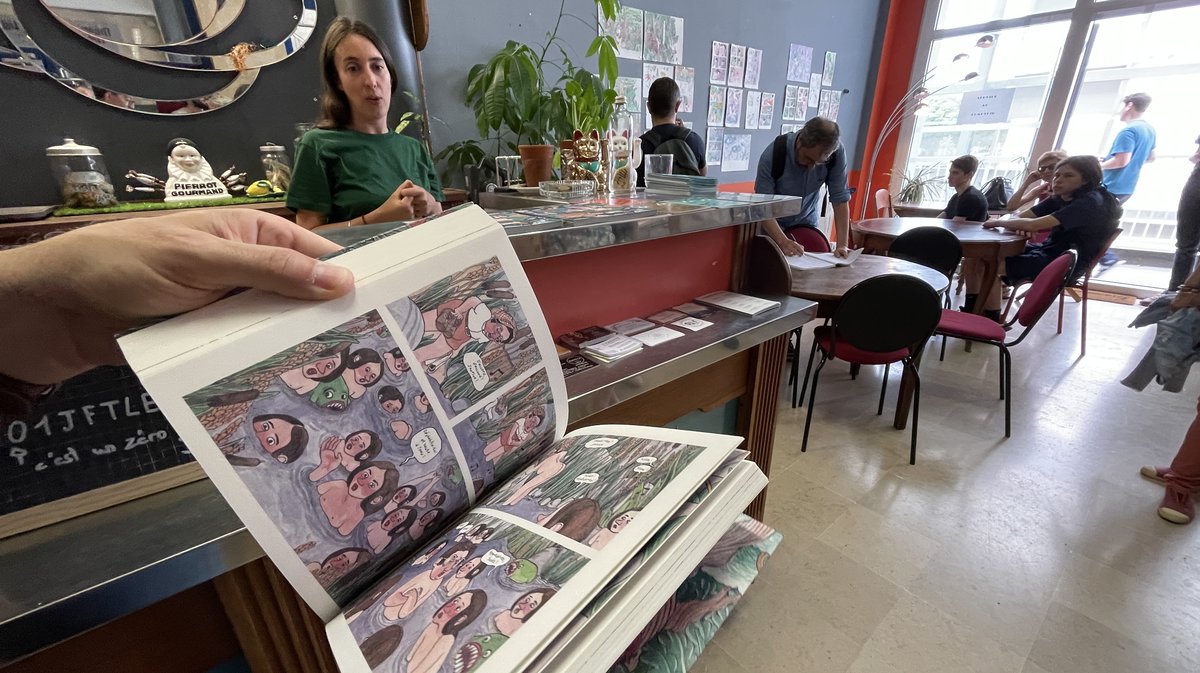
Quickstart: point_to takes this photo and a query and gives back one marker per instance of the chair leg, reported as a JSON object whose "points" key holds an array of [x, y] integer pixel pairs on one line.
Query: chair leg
{"points": [[916, 414], [812, 354], [1006, 356], [812, 395], [883, 389], [1061, 296], [1003, 367], [1083, 321], [793, 379], [942, 357]]}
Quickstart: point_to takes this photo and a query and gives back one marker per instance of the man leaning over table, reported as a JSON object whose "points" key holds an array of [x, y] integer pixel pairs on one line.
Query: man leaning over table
{"points": [[817, 158]]}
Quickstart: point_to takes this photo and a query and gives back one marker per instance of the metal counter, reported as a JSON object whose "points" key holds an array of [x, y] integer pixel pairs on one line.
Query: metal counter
{"points": [[59, 581]]}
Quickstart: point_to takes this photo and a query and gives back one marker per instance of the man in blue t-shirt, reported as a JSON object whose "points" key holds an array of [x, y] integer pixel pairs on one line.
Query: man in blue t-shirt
{"points": [[817, 158], [1133, 147]]}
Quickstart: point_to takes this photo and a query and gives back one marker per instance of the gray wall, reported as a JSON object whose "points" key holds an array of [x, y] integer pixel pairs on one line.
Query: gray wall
{"points": [[38, 112], [465, 32]]}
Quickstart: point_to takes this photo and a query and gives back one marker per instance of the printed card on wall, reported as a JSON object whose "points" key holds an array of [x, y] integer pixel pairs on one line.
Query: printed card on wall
{"points": [[799, 63], [766, 112], [716, 105], [827, 73], [753, 67], [736, 152], [753, 102], [814, 89], [663, 38], [801, 104], [651, 72], [627, 30], [714, 144], [631, 89], [835, 103], [823, 104], [685, 77], [789, 102], [733, 108], [718, 71], [737, 64]]}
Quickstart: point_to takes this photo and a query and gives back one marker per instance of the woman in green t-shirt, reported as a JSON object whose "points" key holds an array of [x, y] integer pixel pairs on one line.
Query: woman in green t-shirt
{"points": [[352, 169]]}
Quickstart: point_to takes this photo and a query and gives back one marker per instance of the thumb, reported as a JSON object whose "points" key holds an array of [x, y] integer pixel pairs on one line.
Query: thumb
{"points": [[279, 270]]}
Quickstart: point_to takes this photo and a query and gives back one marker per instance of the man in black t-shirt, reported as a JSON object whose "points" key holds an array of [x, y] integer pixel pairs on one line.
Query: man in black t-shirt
{"points": [[968, 203], [662, 102]]}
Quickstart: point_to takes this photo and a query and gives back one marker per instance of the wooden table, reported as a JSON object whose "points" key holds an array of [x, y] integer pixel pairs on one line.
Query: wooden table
{"points": [[827, 286], [987, 245]]}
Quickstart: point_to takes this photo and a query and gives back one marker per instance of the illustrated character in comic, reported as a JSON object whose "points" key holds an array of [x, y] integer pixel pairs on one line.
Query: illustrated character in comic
{"points": [[395, 523], [327, 366], [355, 449], [396, 363], [363, 370], [436, 640], [391, 399], [382, 644], [364, 492], [338, 564], [477, 534], [605, 535], [429, 553], [409, 596], [471, 656], [466, 572], [576, 519], [282, 436], [519, 572], [425, 522], [331, 395], [421, 403], [515, 435], [550, 467], [507, 622], [456, 323]]}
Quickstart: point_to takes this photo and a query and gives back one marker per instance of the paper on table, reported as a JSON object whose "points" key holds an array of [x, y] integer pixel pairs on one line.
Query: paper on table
{"points": [[658, 335], [694, 324], [822, 260]]}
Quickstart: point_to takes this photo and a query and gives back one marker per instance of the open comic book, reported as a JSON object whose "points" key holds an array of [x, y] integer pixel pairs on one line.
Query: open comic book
{"points": [[400, 455]]}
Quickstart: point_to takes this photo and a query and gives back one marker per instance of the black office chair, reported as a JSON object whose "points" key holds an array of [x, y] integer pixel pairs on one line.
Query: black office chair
{"points": [[879, 321], [933, 247]]}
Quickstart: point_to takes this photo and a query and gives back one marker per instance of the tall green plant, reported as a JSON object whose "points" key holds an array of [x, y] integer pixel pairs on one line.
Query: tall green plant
{"points": [[515, 104]]}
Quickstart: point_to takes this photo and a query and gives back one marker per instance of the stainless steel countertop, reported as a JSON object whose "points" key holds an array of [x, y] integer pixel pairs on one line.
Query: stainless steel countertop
{"points": [[59, 581]]}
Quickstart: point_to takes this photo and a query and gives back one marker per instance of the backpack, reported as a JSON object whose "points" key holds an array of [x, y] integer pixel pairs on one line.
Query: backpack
{"points": [[676, 145], [998, 191]]}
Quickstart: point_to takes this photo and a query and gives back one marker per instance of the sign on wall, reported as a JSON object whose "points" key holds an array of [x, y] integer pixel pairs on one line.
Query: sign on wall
{"points": [[990, 106]]}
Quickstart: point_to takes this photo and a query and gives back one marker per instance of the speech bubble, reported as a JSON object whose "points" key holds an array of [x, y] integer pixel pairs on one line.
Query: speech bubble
{"points": [[476, 370], [646, 460], [495, 558], [601, 443], [426, 445], [641, 468], [589, 478]]}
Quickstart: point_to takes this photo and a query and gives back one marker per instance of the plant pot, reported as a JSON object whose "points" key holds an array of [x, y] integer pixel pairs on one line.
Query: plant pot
{"points": [[538, 161]]}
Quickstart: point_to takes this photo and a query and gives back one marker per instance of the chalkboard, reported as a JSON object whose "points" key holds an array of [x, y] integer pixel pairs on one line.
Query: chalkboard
{"points": [[99, 429]]}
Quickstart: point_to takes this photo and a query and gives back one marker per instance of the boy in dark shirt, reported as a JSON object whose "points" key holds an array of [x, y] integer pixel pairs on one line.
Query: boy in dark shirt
{"points": [[662, 102], [968, 203]]}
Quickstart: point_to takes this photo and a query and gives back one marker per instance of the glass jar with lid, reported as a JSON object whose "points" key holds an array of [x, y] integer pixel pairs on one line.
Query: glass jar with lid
{"points": [[276, 166], [81, 175]]}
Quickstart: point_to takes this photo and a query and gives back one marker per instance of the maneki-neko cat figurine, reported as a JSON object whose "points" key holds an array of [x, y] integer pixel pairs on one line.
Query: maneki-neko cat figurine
{"points": [[189, 176], [624, 160], [588, 164]]}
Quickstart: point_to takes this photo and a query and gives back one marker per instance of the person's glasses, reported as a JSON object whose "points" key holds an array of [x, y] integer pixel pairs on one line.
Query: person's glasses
{"points": [[1046, 169]]}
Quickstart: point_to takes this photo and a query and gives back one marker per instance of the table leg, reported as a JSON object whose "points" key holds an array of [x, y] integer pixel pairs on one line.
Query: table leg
{"points": [[907, 387]]}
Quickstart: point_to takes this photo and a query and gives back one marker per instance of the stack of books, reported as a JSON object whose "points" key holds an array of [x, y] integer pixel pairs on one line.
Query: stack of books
{"points": [[681, 185], [611, 349]]}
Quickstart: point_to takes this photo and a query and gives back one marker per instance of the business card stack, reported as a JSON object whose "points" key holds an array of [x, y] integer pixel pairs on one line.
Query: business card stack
{"points": [[611, 349]]}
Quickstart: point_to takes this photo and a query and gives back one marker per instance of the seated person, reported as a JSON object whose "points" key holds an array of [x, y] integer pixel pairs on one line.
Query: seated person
{"points": [[352, 169], [968, 203], [662, 102], [1080, 216], [1036, 187]]}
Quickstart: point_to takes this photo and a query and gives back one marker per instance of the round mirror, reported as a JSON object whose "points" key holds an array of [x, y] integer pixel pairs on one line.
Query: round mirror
{"points": [[147, 23]]}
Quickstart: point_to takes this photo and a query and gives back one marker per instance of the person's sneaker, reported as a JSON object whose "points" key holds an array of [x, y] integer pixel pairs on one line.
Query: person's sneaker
{"points": [[1106, 264], [1177, 507], [1157, 475]]}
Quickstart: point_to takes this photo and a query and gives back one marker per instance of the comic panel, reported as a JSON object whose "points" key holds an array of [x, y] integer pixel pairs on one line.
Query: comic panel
{"points": [[501, 437], [590, 487], [460, 599], [333, 437], [476, 337]]}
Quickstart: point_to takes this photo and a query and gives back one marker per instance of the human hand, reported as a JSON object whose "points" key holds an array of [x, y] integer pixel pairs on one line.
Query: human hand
{"points": [[423, 203], [789, 247], [397, 207], [841, 251], [67, 296], [1185, 298]]}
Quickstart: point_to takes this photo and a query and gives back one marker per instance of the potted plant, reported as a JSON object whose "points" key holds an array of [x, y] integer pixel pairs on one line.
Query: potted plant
{"points": [[516, 106], [914, 187]]}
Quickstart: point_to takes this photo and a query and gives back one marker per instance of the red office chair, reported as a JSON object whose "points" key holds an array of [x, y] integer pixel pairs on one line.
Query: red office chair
{"points": [[1048, 284], [879, 321], [1079, 283], [813, 240]]}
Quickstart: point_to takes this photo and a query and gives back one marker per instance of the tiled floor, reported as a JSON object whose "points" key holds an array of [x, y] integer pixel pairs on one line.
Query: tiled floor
{"points": [[1037, 554]]}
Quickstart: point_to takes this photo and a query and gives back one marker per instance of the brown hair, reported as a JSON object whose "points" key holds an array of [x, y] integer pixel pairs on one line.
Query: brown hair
{"points": [[577, 518], [380, 645], [1089, 169], [966, 163], [819, 132], [463, 619], [1056, 155], [1139, 101], [335, 107]]}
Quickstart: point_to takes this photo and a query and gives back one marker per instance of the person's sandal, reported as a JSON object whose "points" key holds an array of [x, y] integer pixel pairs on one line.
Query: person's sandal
{"points": [[1177, 507], [1157, 475]]}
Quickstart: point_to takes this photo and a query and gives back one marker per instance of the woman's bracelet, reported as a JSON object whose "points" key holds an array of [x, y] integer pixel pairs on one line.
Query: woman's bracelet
{"points": [[1187, 289]]}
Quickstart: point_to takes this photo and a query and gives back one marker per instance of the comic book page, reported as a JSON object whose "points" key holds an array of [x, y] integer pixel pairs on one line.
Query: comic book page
{"points": [[346, 433], [492, 592]]}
